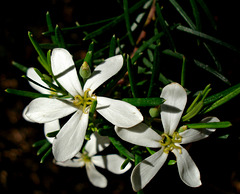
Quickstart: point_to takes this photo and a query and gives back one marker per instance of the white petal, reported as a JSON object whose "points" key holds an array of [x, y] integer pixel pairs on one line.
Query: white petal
{"points": [[71, 163], [96, 144], [192, 135], [111, 162], [96, 178], [31, 73], [103, 72], [43, 110], [24, 114], [64, 70], [51, 127], [119, 113], [140, 134], [172, 108], [147, 169], [187, 169], [69, 140]]}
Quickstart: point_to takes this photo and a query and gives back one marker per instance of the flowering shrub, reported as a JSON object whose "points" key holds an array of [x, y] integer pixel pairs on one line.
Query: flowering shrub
{"points": [[119, 94]]}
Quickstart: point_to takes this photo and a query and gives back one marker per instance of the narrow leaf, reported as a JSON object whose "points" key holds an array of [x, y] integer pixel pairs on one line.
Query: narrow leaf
{"points": [[155, 70], [20, 66], [27, 93], [212, 71], [132, 77], [165, 28], [219, 95], [212, 125], [59, 37], [40, 52], [144, 101], [127, 21], [207, 37], [118, 145], [223, 100], [45, 155], [113, 45], [183, 14]]}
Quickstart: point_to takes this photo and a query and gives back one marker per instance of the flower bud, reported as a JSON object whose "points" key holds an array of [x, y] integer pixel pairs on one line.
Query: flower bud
{"points": [[85, 71], [154, 112]]}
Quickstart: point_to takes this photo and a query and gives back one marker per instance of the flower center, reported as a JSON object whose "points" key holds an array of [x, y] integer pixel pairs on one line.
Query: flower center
{"points": [[83, 101], [169, 142], [85, 158]]}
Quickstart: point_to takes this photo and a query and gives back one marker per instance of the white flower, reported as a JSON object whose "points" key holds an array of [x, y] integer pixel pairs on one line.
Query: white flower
{"points": [[170, 140], [69, 140], [49, 126], [89, 159]]}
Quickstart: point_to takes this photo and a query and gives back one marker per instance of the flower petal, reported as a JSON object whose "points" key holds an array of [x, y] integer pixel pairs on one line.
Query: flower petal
{"points": [[72, 163], [69, 140], [31, 73], [192, 135], [96, 178], [140, 134], [51, 127], [172, 108], [111, 162], [96, 144], [119, 113], [187, 169], [147, 169], [43, 110], [103, 72], [64, 70]]}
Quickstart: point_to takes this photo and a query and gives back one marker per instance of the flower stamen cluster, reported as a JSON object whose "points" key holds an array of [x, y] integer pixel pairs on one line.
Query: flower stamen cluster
{"points": [[169, 142], [83, 101]]}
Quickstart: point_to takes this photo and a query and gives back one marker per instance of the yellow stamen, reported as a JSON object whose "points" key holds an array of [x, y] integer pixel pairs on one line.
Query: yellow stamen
{"points": [[169, 142], [83, 101]]}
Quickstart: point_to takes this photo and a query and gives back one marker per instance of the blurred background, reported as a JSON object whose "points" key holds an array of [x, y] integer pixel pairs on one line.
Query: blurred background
{"points": [[20, 168]]}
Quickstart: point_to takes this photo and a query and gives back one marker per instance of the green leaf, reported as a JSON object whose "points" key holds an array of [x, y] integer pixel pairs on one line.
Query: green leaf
{"points": [[20, 66], [52, 134], [50, 27], [224, 99], [114, 22], [207, 37], [113, 45], [39, 143], [40, 52], [45, 155], [127, 21], [144, 101], [172, 162], [118, 145], [31, 80], [219, 95], [196, 14], [212, 125], [165, 28], [131, 75], [183, 14], [27, 93], [146, 45], [59, 37], [125, 163], [150, 151], [208, 13], [212, 71], [155, 70], [183, 73], [44, 147]]}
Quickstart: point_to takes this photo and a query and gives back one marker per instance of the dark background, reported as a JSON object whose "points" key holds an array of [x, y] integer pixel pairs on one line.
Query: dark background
{"points": [[20, 170]]}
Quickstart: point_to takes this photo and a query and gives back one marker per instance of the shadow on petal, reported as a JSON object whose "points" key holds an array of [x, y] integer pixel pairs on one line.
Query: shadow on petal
{"points": [[169, 109]]}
